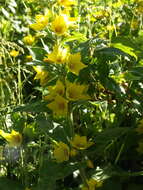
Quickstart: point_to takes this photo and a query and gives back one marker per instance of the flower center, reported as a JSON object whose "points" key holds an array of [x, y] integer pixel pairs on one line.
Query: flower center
{"points": [[72, 66], [59, 29], [61, 106]]}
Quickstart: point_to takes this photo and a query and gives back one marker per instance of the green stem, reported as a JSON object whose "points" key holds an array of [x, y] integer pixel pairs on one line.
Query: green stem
{"points": [[83, 177], [19, 84], [119, 154]]}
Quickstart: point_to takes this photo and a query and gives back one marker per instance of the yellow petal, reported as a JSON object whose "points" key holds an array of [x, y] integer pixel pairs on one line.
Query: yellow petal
{"points": [[59, 106], [75, 64], [60, 25], [61, 152], [14, 138], [76, 91], [14, 53]]}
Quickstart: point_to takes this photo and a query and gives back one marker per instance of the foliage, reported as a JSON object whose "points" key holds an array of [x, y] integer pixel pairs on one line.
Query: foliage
{"points": [[71, 85]]}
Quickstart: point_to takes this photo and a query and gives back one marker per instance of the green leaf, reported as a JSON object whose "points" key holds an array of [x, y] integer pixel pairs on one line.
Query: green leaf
{"points": [[110, 54], [112, 184], [36, 107], [110, 134], [107, 137], [45, 123], [125, 49], [37, 53], [136, 73], [6, 184], [52, 171], [76, 36]]}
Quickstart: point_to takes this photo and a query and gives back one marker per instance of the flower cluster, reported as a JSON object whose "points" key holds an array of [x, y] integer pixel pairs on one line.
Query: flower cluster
{"points": [[61, 94], [59, 70], [60, 56], [62, 151]]}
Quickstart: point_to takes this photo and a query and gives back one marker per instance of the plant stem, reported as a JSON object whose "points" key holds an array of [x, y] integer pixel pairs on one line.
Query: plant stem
{"points": [[119, 154], [83, 177]]}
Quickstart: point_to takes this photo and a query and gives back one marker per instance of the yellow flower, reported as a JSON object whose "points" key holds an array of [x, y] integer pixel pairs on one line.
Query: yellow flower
{"points": [[14, 138], [92, 184], [43, 19], [76, 91], [100, 14], [41, 22], [59, 89], [14, 53], [37, 26], [58, 55], [80, 142], [41, 75], [59, 106], [60, 24], [29, 58], [61, 152], [75, 64], [66, 3], [29, 40]]}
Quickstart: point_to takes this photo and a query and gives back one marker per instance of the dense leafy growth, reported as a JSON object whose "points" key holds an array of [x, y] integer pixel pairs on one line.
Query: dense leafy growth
{"points": [[71, 94]]}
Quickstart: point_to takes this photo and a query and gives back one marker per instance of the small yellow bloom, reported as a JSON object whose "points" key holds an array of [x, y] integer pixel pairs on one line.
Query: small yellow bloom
{"points": [[66, 3], [110, 27], [14, 53], [41, 75], [41, 22], [43, 19], [61, 152], [29, 58], [75, 64], [76, 91], [139, 129], [14, 138], [100, 14], [60, 24], [80, 142], [59, 106], [29, 40], [58, 55], [37, 26], [58, 89], [92, 184]]}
